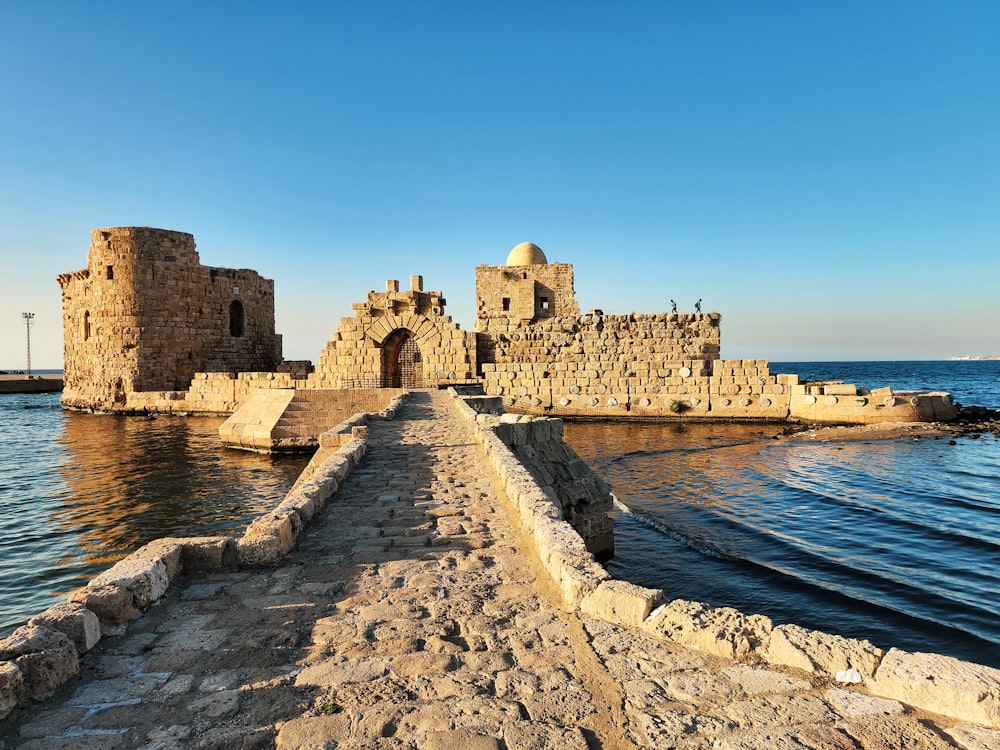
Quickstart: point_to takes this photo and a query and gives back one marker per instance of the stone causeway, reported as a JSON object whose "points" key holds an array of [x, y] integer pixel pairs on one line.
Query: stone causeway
{"points": [[426, 601]]}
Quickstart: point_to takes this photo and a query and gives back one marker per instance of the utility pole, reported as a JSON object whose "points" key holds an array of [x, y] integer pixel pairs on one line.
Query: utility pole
{"points": [[27, 327]]}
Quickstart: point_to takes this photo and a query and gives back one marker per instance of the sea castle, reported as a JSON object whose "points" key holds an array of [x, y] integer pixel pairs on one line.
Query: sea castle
{"points": [[147, 328], [451, 596]]}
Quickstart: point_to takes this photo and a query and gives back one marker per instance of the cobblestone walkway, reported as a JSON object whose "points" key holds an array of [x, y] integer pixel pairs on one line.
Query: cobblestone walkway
{"points": [[408, 617]]}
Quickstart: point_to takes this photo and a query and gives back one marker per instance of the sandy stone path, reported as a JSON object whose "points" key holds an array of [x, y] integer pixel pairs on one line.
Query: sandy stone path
{"points": [[411, 615]]}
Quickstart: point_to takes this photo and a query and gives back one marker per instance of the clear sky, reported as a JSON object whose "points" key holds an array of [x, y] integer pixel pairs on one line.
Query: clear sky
{"points": [[825, 175]]}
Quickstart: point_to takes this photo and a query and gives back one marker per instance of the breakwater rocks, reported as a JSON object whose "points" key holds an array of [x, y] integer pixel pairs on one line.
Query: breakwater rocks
{"points": [[447, 602], [973, 420]]}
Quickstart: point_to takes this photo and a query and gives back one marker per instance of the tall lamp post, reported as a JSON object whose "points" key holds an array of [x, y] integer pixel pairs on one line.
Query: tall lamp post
{"points": [[27, 327]]}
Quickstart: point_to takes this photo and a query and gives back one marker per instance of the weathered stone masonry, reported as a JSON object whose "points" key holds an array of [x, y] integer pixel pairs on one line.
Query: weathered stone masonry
{"points": [[397, 340], [145, 315], [148, 328], [542, 357]]}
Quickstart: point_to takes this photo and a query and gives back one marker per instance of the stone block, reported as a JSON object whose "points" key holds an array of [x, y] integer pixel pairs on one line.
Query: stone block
{"points": [[621, 602], [258, 551], [168, 551], [815, 651], [302, 501], [840, 389], [46, 658], [74, 620], [283, 525], [723, 631], [11, 684], [208, 553], [113, 604], [942, 684], [144, 577], [314, 731], [578, 577]]}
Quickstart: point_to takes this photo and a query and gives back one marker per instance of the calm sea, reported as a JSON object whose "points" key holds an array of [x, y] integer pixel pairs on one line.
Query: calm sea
{"points": [[894, 541], [80, 491]]}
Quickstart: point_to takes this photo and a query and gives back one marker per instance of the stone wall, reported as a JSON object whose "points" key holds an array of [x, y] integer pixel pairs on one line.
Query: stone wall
{"points": [[583, 498], [145, 315], [397, 340], [603, 365]]}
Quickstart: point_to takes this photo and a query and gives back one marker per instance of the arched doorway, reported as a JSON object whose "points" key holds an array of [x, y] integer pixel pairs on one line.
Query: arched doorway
{"points": [[402, 364]]}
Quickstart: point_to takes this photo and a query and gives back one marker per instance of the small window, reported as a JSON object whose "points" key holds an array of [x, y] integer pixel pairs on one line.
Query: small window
{"points": [[506, 304], [545, 303], [111, 272], [524, 275], [86, 325], [236, 319]]}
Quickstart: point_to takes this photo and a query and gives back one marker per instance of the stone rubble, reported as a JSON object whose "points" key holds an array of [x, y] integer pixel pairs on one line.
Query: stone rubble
{"points": [[414, 613]]}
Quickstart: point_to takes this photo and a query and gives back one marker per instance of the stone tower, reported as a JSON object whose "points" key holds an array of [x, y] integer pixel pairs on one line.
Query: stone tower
{"points": [[145, 315], [526, 290]]}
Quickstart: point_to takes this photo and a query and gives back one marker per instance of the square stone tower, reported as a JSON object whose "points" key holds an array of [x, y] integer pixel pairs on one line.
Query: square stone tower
{"points": [[527, 290], [145, 315]]}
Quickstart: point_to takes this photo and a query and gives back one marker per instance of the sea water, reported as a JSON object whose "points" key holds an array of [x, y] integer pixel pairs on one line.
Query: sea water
{"points": [[895, 541], [80, 491]]}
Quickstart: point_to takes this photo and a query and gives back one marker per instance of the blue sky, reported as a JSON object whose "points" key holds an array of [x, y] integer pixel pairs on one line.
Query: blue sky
{"points": [[827, 176]]}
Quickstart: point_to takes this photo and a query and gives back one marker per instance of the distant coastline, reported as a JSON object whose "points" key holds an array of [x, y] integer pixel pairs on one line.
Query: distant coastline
{"points": [[974, 357]]}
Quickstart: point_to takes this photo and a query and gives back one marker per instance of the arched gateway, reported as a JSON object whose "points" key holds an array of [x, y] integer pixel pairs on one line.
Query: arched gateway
{"points": [[398, 340], [402, 363]]}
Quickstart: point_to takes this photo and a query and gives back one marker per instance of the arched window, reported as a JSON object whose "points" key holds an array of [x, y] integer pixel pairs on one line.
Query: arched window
{"points": [[86, 325], [236, 318]]}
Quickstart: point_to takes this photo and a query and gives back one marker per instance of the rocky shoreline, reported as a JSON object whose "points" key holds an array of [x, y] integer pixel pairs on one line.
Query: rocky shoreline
{"points": [[973, 422]]}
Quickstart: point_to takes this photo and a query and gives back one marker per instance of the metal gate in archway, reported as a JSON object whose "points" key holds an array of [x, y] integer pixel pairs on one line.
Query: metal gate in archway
{"points": [[402, 363]]}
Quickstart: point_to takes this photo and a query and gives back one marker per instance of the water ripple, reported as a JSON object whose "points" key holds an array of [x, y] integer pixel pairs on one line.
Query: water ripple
{"points": [[80, 491], [896, 542]]}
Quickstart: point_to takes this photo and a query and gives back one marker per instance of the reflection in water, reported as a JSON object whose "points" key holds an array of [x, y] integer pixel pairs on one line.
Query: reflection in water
{"points": [[894, 541], [133, 479], [80, 491]]}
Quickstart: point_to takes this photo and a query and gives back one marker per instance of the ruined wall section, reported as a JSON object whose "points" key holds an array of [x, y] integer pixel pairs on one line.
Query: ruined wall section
{"points": [[145, 315], [604, 365], [367, 350], [230, 344]]}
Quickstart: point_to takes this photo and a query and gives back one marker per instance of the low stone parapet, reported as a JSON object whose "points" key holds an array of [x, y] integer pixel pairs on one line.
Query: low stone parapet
{"points": [[941, 684], [842, 403], [40, 656]]}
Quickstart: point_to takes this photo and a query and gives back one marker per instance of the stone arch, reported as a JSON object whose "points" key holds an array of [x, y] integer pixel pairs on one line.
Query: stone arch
{"points": [[402, 361], [422, 328], [237, 319]]}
